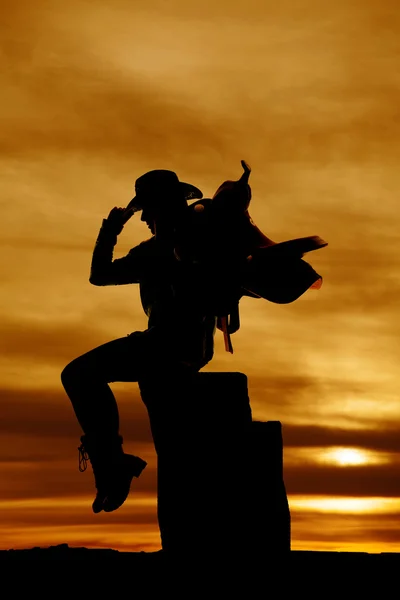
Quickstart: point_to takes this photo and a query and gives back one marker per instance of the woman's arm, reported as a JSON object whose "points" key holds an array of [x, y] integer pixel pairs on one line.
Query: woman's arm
{"points": [[106, 271]]}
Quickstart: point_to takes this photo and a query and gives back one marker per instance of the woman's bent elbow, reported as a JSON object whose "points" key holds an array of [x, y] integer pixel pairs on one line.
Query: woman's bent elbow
{"points": [[98, 281]]}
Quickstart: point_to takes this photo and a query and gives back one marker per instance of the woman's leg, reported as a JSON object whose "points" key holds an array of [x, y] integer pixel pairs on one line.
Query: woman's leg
{"points": [[86, 381]]}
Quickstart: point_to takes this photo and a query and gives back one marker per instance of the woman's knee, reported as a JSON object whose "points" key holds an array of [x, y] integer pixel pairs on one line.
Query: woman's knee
{"points": [[76, 369]]}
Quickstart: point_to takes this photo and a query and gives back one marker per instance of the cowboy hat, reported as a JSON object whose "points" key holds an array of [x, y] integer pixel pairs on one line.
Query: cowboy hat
{"points": [[159, 182]]}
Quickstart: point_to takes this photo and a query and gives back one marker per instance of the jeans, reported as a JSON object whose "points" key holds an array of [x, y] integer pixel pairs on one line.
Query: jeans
{"points": [[86, 378]]}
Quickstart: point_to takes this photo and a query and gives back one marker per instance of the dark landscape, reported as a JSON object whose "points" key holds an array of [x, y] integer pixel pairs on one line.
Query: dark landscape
{"points": [[346, 573], [389, 561]]}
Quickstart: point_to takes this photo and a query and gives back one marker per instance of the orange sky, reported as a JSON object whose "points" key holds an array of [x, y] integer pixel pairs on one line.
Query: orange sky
{"points": [[96, 93]]}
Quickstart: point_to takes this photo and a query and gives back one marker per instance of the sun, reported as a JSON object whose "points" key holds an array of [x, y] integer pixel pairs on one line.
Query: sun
{"points": [[347, 456]]}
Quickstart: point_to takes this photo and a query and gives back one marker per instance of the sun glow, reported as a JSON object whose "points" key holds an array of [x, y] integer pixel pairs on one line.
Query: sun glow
{"points": [[340, 456], [329, 504], [347, 456]]}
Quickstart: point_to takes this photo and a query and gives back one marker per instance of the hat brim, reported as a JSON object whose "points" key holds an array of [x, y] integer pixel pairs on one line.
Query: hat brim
{"points": [[190, 192]]}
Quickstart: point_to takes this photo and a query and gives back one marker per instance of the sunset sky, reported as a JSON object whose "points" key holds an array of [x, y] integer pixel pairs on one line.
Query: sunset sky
{"points": [[96, 93]]}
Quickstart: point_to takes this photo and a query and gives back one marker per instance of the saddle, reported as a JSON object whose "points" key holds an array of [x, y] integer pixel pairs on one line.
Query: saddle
{"points": [[240, 260]]}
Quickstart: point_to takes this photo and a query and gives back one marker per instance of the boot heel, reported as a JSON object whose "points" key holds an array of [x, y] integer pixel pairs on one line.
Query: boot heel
{"points": [[137, 465], [131, 466]]}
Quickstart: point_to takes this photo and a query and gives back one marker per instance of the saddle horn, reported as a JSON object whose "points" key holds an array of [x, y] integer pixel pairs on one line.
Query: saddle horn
{"points": [[231, 202]]}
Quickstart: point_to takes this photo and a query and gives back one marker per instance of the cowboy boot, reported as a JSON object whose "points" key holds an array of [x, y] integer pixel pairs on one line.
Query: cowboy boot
{"points": [[113, 470]]}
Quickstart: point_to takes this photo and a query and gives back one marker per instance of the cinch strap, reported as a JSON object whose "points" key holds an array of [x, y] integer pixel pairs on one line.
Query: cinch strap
{"points": [[227, 337]]}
